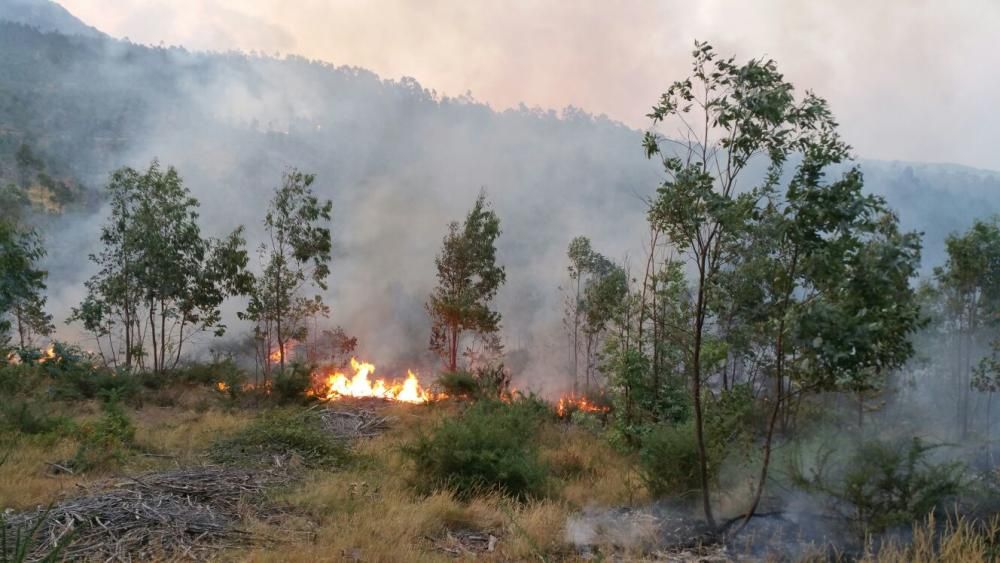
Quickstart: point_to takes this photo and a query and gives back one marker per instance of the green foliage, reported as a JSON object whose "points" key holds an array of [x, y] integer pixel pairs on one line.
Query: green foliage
{"points": [[668, 460], [459, 384], [282, 432], [668, 455], [22, 284], [208, 373], [291, 384], [640, 401], [489, 381], [884, 485], [32, 417], [296, 254], [492, 446], [468, 279], [156, 266], [106, 442], [96, 383]]}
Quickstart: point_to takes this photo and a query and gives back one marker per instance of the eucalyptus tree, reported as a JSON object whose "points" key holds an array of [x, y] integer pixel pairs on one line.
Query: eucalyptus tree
{"points": [[159, 282], [793, 259], [295, 256], [468, 280], [969, 286], [22, 285]]}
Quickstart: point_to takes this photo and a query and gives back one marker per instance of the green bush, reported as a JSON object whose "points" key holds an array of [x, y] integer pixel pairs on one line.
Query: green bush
{"points": [[668, 460], [492, 446], [494, 381], [281, 433], [884, 484], [668, 454], [642, 401], [291, 384], [21, 379], [30, 417], [95, 383], [460, 384], [209, 373], [106, 442]]}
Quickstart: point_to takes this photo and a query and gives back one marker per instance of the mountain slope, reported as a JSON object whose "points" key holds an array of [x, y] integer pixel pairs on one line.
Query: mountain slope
{"points": [[45, 16], [398, 160]]}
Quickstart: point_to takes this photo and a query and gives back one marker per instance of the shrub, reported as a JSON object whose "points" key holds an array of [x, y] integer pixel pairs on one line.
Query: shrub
{"points": [[668, 460], [20, 379], [284, 433], [95, 383], [459, 384], [641, 401], [494, 381], [107, 441], [291, 384], [883, 485], [29, 417], [210, 373], [668, 455], [491, 446]]}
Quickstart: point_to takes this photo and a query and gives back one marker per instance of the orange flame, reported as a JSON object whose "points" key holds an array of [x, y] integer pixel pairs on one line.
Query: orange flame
{"points": [[48, 354], [275, 356], [569, 404], [337, 386]]}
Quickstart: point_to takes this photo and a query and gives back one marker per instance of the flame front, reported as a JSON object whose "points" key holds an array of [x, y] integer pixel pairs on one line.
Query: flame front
{"points": [[338, 385], [569, 404]]}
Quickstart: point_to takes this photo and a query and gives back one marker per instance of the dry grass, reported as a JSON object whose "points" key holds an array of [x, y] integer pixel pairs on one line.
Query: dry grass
{"points": [[183, 434], [27, 480], [588, 470], [369, 511], [959, 541]]}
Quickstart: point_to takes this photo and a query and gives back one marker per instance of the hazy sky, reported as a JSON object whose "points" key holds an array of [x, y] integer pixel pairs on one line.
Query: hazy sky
{"points": [[908, 79]]}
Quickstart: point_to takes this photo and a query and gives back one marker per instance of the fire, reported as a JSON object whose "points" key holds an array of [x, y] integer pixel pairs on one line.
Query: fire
{"points": [[569, 404], [48, 354], [222, 386], [338, 385], [275, 356]]}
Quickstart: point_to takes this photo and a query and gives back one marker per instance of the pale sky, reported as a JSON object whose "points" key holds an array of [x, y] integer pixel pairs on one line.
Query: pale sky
{"points": [[908, 79]]}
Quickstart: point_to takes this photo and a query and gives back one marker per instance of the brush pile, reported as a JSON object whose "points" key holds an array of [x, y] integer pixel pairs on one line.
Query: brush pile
{"points": [[182, 514], [354, 423]]}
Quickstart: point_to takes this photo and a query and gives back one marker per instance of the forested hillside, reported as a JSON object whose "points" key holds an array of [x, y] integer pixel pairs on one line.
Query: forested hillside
{"points": [[80, 106]]}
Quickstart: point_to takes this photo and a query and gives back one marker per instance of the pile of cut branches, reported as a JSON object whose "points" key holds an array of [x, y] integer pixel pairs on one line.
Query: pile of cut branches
{"points": [[181, 514], [350, 424]]}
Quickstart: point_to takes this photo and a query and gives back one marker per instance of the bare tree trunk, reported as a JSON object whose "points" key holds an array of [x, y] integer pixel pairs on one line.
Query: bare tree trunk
{"points": [[453, 349], [576, 335], [699, 423]]}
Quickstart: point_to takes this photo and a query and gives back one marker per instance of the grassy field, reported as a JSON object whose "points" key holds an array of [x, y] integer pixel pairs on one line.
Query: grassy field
{"points": [[367, 501]]}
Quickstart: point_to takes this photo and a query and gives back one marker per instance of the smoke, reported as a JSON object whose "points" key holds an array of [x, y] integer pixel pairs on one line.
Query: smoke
{"points": [[905, 77], [399, 162]]}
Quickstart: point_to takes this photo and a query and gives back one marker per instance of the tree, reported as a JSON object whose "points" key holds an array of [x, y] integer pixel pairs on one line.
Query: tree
{"points": [[601, 289], [468, 279], [160, 282], [22, 285], [295, 255], [801, 256], [969, 284]]}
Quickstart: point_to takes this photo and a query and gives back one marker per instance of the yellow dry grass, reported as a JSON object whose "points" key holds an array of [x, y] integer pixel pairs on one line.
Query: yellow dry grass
{"points": [[960, 541], [26, 476], [369, 511]]}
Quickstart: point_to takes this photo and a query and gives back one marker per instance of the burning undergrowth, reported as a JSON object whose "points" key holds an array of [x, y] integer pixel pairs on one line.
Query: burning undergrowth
{"points": [[185, 513]]}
